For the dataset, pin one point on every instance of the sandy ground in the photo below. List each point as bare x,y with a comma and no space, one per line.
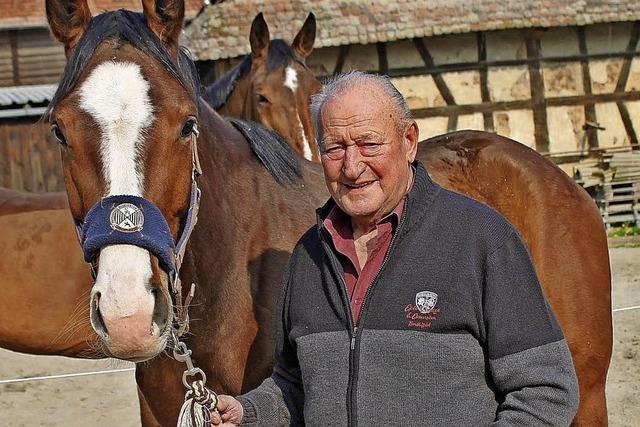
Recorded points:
110,399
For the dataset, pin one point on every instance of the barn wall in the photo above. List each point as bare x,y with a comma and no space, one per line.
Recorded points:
562,78
29,158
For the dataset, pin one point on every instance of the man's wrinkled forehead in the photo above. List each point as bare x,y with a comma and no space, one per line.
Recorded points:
356,108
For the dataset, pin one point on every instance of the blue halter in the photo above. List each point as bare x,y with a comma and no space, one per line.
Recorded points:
128,220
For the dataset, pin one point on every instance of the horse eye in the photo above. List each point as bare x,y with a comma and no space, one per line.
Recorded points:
57,133
262,99
188,128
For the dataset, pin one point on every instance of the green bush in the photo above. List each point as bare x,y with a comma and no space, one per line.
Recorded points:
625,229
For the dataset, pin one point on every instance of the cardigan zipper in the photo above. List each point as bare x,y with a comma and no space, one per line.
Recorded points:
351,412
355,341
354,347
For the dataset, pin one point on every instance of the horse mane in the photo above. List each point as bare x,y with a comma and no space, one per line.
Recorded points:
273,152
280,55
216,93
124,26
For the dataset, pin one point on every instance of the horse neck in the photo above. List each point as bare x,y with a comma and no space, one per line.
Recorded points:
230,171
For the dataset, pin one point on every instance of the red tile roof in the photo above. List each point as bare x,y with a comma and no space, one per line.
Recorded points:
222,30
30,13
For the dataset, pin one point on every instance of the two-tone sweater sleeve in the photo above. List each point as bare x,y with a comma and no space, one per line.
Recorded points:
529,359
279,400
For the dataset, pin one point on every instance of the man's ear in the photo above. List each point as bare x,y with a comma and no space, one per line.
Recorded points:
411,136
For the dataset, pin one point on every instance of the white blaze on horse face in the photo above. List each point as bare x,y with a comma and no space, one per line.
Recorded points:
291,81
116,95
291,78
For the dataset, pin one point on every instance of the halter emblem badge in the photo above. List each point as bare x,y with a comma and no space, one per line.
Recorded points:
127,218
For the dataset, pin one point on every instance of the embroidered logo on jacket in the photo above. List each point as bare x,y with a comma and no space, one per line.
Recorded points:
425,301
423,312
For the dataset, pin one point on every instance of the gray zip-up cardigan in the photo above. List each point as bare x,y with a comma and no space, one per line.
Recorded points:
454,330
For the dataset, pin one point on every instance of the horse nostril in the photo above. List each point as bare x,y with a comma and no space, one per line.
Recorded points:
96,317
160,310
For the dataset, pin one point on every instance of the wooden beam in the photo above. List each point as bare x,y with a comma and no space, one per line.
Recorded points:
476,66
628,124
487,117
623,78
536,82
13,41
452,123
437,77
342,55
524,104
383,63
589,109
626,65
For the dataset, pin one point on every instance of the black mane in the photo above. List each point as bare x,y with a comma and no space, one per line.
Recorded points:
124,26
280,55
216,93
272,151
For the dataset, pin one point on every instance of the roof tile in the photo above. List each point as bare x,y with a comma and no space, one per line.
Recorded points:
380,20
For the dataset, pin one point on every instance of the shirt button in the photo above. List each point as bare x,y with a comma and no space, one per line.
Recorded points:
357,301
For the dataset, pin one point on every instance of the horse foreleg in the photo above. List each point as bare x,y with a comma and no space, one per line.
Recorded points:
160,391
146,416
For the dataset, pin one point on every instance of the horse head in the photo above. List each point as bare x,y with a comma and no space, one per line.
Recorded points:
273,86
125,115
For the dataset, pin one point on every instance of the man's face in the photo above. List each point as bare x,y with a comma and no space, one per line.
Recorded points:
365,155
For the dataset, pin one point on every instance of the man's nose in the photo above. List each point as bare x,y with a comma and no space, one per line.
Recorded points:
352,166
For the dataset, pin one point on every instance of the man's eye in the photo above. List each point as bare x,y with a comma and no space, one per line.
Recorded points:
369,148
334,152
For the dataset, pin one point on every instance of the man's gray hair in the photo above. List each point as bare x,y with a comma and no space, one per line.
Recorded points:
340,82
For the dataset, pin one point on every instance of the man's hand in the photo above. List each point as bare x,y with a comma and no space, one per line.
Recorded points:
230,410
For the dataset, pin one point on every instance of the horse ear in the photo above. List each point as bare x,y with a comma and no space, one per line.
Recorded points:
303,43
165,17
259,37
68,20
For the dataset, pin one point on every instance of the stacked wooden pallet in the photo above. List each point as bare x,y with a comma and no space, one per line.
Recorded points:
614,181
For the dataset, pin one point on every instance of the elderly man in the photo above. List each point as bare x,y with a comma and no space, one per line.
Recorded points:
406,304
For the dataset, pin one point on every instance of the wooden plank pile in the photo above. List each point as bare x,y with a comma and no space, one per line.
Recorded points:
613,179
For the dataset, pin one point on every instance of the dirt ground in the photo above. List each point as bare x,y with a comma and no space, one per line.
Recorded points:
110,399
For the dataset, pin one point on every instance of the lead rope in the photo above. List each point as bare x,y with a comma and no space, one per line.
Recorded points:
199,401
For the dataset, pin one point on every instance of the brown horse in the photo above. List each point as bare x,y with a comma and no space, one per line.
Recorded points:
124,89
272,86
37,234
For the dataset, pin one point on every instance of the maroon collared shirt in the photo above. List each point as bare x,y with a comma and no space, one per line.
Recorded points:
359,278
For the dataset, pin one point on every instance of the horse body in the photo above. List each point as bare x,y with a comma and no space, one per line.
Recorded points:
36,233
563,230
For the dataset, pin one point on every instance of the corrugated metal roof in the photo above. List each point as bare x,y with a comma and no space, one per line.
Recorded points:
22,95
222,30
